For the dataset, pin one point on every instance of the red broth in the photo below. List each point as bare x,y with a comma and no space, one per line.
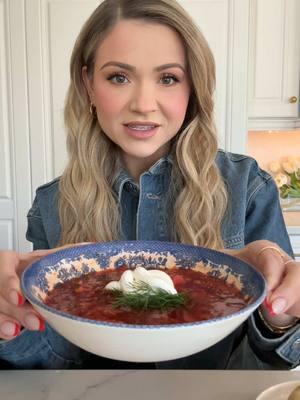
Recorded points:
208,297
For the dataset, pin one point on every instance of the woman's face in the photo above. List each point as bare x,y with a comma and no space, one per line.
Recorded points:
141,90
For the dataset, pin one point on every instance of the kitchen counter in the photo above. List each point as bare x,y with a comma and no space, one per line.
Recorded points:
142,384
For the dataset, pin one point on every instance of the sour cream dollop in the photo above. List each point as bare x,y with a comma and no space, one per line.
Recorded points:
156,279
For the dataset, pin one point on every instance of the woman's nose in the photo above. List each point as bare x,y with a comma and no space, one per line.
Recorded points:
143,99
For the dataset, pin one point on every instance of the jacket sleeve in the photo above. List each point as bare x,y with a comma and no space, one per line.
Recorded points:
264,220
35,228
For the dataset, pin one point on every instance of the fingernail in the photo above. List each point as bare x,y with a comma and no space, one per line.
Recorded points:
279,305
42,326
10,329
21,299
16,298
32,322
271,312
17,330
267,304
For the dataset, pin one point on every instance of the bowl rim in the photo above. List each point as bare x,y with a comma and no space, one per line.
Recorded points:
249,308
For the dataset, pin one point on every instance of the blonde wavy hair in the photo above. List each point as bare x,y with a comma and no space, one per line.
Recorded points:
88,206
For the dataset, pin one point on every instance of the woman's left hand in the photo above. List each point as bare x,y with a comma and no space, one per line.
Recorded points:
282,274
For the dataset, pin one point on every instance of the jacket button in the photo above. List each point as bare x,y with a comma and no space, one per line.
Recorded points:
152,196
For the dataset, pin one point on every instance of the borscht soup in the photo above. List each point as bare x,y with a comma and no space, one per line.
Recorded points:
143,301
172,296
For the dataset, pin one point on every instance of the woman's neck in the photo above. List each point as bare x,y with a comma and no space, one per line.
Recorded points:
136,166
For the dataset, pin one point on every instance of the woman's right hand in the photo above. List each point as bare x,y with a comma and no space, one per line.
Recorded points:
15,311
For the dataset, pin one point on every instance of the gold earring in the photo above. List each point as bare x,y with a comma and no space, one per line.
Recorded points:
92,109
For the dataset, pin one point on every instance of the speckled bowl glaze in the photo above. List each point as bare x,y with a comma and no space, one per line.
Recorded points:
140,343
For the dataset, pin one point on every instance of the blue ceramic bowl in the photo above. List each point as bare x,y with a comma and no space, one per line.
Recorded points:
140,343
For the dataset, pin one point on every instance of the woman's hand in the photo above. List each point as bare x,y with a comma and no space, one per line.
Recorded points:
282,274
15,311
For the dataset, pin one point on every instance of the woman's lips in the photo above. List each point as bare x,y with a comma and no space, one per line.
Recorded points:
140,131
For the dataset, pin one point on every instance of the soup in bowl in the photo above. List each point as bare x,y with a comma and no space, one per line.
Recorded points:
143,301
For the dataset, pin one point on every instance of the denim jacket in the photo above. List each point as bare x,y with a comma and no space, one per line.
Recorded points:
253,213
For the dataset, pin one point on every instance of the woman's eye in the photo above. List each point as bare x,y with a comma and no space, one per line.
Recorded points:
118,79
169,80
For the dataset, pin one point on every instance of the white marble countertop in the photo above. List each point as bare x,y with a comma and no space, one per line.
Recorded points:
142,384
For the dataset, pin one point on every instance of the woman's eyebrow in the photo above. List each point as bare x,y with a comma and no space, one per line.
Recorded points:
132,68
118,64
170,65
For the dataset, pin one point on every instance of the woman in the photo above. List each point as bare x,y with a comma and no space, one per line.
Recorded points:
143,164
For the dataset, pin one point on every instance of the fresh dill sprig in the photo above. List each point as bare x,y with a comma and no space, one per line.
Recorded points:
146,298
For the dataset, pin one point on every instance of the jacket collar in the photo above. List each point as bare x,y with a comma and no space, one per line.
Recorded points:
156,169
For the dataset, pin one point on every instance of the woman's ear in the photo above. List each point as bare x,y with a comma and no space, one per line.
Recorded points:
87,83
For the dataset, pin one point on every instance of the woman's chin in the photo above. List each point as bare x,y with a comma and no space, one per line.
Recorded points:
143,153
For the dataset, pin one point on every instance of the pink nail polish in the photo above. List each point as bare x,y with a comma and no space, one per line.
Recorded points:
268,306
279,305
266,303
42,326
271,312
17,330
21,300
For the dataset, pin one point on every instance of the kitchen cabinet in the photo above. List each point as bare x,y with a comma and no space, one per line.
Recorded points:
274,64
32,90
